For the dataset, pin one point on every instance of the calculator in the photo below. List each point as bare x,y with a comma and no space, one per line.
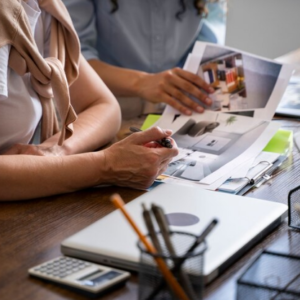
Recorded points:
88,278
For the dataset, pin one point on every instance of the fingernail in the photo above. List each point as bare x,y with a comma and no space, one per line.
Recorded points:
208,101
187,112
199,109
168,131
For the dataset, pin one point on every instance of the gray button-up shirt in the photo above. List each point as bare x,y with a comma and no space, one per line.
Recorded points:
143,34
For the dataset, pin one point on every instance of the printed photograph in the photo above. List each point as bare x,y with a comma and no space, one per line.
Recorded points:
241,82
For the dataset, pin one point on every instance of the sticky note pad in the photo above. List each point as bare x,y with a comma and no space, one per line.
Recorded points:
281,142
150,120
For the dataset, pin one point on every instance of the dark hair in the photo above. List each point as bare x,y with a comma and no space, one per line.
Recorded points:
200,6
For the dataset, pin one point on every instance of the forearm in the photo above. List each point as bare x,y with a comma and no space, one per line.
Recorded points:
133,162
29,176
95,127
122,82
99,115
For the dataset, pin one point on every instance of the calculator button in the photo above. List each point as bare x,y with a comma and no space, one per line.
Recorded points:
69,272
37,269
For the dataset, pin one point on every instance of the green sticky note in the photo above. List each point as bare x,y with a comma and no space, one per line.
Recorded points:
150,120
281,142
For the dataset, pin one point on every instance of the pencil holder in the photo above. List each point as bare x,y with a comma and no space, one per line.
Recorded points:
272,276
151,282
294,207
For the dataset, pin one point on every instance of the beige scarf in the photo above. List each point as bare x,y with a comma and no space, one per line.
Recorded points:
50,77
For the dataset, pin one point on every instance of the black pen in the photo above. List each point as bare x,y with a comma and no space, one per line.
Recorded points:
150,226
165,231
165,142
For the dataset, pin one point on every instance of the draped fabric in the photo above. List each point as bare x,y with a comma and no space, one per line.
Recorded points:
51,77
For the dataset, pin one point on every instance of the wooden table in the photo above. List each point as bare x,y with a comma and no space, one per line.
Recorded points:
31,233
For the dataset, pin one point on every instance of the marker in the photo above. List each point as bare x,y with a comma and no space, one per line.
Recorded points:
165,142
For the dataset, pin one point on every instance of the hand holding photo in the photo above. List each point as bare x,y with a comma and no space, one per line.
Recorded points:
244,83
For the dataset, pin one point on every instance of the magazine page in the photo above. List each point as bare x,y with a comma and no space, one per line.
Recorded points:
244,83
212,145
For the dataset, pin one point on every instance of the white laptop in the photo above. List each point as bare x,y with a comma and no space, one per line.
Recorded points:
243,222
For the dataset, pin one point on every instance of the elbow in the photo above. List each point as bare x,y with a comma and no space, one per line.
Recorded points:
117,116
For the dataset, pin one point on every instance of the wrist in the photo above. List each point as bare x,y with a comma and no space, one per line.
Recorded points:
102,168
139,84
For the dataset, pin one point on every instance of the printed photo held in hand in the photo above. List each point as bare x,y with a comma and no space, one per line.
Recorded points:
242,82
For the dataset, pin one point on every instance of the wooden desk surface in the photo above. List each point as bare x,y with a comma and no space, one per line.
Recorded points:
31,233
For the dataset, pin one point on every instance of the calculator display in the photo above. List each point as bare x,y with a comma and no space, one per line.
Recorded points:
97,279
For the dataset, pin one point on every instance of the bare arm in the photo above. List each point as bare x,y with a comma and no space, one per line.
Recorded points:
169,86
98,113
127,163
98,118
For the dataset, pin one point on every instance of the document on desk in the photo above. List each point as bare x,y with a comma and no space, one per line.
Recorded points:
214,144
225,140
260,166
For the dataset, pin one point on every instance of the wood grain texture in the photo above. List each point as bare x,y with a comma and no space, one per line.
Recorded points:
31,233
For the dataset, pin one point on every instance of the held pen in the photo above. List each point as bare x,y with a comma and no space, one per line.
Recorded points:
165,142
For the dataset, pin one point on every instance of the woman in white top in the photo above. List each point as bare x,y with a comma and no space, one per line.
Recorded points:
36,170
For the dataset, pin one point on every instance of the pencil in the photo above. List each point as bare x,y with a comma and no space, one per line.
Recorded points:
170,279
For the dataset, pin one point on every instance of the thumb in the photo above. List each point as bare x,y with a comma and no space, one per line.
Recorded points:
152,134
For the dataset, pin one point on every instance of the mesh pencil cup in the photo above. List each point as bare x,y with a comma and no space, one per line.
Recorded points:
189,276
294,207
272,276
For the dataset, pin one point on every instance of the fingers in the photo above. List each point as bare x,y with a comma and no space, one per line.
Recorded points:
179,85
181,101
150,135
194,79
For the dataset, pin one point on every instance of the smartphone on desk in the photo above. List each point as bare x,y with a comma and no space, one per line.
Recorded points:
82,276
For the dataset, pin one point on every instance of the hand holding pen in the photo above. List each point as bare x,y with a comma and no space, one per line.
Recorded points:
136,160
164,142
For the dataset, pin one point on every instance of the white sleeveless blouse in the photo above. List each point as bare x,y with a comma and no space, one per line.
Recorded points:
20,107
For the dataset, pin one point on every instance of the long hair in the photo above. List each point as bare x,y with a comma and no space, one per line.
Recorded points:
200,7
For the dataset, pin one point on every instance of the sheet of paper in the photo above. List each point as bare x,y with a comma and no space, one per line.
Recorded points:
268,157
218,148
244,83
233,185
261,164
